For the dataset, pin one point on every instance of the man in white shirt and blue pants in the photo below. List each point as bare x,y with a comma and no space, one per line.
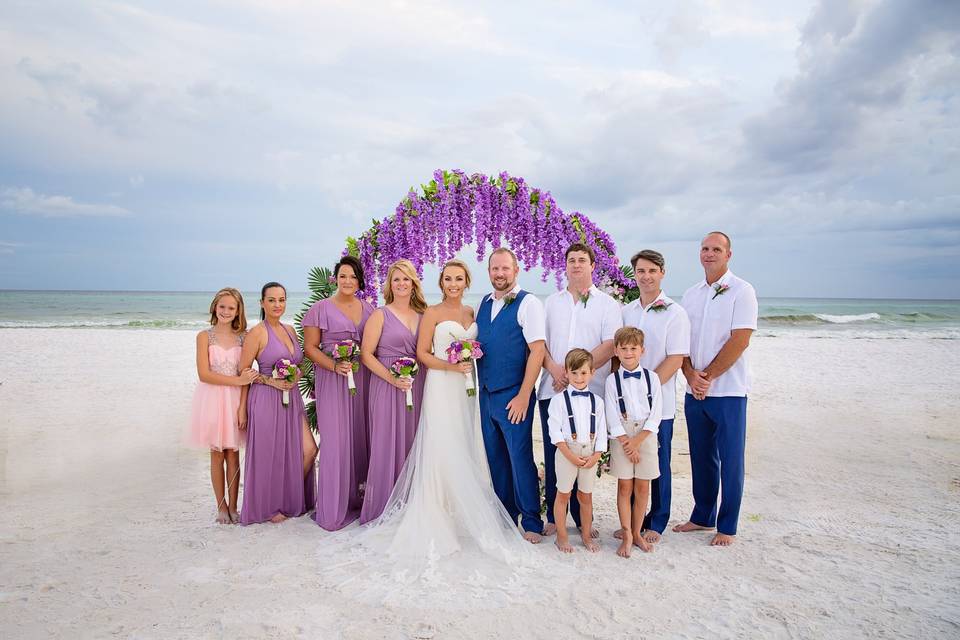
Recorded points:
723,315
579,316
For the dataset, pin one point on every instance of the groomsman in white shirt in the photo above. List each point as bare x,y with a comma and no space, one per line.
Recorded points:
579,316
666,331
723,315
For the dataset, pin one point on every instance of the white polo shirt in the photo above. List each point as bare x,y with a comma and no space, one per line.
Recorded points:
530,315
665,333
712,317
558,424
635,401
571,325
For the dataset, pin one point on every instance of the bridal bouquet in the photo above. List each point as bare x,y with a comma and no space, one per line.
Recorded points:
284,370
405,368
350,351
465,351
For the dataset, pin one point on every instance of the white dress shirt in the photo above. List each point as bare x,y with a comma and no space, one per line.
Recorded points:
635,400
559,424
665,333
571,325
712,318
530,314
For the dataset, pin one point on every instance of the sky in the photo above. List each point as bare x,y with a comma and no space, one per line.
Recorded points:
193,145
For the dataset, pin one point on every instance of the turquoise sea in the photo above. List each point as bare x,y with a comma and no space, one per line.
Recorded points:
187,310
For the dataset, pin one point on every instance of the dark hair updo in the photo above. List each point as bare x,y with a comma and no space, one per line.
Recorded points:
263,294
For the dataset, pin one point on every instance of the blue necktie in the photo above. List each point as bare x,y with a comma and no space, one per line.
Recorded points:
585,394
633,374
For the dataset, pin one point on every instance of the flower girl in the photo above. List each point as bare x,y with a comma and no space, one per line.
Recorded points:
214,421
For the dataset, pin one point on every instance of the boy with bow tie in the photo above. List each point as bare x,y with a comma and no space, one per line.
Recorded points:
634,401
577,428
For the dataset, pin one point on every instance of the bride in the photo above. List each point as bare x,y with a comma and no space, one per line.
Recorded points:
443,527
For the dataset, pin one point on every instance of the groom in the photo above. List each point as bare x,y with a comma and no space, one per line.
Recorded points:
512,332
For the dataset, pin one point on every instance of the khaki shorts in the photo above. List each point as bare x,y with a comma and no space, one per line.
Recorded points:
647,469
567,472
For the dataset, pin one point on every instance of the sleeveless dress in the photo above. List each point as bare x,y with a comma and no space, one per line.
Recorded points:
341,421
213,418
392,425
273,467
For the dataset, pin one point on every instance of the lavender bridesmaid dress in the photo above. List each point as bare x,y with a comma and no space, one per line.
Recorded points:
273,468
341,421
392,426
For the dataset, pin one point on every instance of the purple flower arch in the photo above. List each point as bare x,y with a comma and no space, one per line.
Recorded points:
455,209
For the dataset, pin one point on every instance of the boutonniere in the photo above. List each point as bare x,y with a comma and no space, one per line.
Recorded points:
719,290
660,305
584,297
509,299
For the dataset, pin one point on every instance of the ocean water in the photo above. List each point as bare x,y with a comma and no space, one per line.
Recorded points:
147,310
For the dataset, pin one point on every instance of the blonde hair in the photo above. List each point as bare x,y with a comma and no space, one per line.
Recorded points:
628,336
453,263
576,358
239,324
417,302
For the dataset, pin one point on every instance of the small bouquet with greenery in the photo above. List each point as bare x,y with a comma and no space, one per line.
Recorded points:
348,351
287,371
465,351
405,368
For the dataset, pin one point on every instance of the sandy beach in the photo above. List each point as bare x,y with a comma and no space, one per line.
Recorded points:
850,524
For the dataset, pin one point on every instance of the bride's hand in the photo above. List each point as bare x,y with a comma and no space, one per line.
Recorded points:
462,367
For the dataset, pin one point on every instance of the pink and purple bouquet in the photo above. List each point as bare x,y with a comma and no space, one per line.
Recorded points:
465,351
405,368
284,370
350,351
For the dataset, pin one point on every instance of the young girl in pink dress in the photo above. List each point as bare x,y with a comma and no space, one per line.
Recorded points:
214,420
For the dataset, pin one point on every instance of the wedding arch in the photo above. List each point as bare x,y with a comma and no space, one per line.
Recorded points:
454,210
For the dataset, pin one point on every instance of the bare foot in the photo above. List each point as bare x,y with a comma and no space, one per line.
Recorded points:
645,546
564,545
689,526
223,516
279,517
594,533
234,517
651,536
618,534
722,540
549,529
532,537
591,546
626,545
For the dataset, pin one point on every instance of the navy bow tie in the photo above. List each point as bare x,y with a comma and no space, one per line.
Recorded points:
633,374
585,394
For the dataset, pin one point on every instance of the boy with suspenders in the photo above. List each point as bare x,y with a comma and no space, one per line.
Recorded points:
575,419
634,401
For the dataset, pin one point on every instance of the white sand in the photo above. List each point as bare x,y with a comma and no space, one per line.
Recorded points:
850,524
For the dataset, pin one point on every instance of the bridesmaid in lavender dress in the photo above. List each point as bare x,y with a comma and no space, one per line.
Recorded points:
280,447
391,333
341,417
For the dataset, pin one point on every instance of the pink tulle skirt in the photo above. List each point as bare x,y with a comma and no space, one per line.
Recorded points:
213,420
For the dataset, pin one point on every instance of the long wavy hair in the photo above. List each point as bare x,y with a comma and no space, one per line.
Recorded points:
417,300
239,324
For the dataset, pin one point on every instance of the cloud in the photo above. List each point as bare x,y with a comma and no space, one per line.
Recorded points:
23,200
857,62
9,248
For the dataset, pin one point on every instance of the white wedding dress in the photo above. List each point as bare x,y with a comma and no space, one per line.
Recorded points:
444,533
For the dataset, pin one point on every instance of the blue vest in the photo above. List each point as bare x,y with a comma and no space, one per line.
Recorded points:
505,350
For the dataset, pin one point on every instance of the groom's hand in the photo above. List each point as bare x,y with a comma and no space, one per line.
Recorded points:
517,409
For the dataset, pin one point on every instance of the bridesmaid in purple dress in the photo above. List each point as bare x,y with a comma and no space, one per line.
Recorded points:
280,447
341,417
391,333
